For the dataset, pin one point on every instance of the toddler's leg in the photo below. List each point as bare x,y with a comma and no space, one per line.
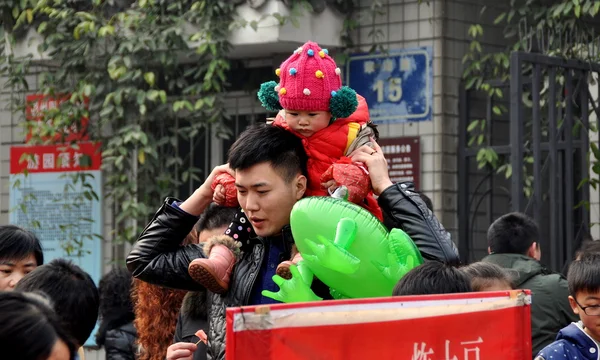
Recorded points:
214,271
283,269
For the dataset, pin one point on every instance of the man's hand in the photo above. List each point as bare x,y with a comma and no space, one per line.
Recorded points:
376,164
181,351
203,196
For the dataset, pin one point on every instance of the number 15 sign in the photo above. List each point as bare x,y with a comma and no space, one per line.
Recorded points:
398,85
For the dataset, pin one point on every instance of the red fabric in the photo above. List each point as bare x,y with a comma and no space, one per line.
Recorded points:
326,147
228,183
491,332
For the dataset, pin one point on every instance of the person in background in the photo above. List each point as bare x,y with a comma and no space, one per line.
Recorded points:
31,330
488,277
20,253
73,294
156,309
513,241
193,317
579,340
432,277
588,245
117,333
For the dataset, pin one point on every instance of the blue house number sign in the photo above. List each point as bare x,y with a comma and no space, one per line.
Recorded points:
398,86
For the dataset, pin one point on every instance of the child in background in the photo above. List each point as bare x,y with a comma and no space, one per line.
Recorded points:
332,121
488,277
580,340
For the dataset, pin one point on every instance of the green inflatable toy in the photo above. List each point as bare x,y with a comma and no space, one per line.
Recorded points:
348,249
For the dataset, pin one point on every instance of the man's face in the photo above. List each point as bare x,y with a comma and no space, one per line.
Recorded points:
12,271
590,322
267,199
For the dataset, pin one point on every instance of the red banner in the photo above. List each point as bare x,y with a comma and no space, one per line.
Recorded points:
440,327
34,111
84,156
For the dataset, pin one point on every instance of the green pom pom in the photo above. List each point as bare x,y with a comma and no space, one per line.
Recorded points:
343,103
268,96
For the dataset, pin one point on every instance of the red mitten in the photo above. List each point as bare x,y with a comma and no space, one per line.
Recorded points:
350,175
228,183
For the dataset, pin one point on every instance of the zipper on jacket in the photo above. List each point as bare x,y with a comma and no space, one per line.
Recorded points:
255,272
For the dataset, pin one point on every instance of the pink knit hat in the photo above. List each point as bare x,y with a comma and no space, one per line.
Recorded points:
309,81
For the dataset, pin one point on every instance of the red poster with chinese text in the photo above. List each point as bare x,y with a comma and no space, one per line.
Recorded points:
34,111
439,327
85,156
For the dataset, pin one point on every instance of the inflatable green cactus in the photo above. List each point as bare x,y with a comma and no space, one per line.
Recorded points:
348,249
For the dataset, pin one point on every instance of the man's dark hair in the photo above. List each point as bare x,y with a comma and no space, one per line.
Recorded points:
71,290
263,143
482,274
432,277
590,246
426,200
214,217
30,328
17,243
584,274
512,233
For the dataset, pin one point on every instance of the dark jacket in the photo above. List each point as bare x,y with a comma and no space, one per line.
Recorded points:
120,343
158,258
550,309
192,317
572,343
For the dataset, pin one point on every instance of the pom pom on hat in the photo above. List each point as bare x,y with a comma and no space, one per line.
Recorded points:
343,103
268,96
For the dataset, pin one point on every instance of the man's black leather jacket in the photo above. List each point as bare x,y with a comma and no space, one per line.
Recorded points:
158,258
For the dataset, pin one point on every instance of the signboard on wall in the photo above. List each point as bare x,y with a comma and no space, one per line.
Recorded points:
398,86
44,193
403,155
35,107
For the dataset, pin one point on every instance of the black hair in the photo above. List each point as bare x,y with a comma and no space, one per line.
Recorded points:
215,216
584,274
512,233
262,143
426,200
30,328
432,277
116,307
17,243
71,290
483,273
589,246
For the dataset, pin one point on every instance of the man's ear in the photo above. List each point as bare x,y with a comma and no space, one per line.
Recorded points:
574,305
489,250
534,251
300,186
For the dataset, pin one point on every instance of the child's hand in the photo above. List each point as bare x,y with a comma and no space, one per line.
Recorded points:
330,185
219,195
181,351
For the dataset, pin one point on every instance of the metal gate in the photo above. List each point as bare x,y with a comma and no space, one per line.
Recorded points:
547,121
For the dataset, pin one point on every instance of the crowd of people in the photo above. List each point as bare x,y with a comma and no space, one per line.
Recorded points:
228,241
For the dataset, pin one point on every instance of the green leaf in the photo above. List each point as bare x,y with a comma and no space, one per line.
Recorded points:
149,77
497,110
163,96
578,10
596,8
508,171
472,125
42,27
499,18
141,156
142,109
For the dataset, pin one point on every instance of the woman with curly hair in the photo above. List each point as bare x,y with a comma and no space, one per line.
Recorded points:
156,311
116,333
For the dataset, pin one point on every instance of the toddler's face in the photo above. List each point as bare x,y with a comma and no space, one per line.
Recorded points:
307,123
